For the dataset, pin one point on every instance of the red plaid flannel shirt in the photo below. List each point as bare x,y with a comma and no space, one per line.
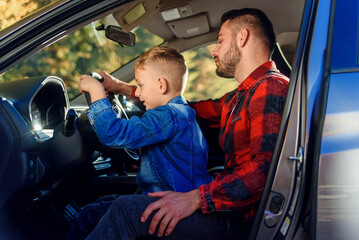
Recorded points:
249,118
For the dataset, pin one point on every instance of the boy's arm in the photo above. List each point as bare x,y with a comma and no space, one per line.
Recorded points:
153,127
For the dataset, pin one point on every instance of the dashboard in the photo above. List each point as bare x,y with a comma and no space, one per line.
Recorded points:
48,108
42,101
33,149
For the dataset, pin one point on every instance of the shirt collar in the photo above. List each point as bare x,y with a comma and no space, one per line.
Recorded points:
179,100
256,74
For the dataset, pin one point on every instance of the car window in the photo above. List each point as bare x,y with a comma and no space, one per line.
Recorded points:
12,11
203,83
81,52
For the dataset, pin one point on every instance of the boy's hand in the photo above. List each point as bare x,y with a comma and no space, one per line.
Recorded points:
172,207
92,86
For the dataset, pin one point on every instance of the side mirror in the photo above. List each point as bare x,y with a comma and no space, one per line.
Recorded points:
117,34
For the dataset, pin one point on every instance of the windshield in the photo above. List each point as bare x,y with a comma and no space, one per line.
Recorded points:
81,52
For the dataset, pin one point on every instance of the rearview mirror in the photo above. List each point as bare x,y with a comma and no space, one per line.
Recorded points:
117,34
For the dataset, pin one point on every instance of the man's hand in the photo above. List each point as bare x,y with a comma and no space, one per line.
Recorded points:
115,85
172,207
110,83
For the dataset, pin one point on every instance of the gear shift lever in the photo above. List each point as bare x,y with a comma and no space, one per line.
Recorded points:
69,128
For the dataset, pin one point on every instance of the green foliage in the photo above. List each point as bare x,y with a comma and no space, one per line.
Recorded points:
12,11
203,83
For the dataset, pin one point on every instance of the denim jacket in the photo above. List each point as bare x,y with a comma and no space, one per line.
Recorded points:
174,151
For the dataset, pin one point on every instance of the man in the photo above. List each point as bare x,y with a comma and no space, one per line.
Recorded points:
249,119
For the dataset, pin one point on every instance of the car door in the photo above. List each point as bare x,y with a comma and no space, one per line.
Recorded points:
284,211
336,193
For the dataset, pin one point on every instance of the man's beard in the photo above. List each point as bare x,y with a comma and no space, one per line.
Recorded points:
227,67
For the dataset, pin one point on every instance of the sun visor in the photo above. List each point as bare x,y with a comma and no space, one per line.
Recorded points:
135,12
190,26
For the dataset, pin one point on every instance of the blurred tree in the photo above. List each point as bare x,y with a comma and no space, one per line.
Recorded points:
203,83
12,11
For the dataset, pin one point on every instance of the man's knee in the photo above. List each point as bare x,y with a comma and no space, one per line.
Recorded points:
132,202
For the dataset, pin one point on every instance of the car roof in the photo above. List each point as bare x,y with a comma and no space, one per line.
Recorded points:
204,17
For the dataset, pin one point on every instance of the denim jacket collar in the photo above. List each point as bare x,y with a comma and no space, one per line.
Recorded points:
179,100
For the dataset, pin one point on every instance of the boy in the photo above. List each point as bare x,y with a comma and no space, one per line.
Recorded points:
174,150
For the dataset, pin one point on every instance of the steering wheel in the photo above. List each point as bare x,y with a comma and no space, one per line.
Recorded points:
89,134
116,105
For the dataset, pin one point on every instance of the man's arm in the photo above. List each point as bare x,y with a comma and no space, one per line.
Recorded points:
244,178
210,111
115,85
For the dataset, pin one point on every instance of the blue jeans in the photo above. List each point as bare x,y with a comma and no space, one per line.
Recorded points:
120,219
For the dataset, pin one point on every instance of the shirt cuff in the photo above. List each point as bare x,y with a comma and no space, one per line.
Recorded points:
97,108
207,204
132,97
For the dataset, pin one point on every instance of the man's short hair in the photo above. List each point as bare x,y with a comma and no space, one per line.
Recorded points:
253,19
167,61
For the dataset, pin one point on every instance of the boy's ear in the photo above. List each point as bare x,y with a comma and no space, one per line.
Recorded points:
163,85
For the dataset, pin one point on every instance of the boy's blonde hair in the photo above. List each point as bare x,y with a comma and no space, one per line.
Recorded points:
168,62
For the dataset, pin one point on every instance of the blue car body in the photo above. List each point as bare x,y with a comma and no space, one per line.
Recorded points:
312,190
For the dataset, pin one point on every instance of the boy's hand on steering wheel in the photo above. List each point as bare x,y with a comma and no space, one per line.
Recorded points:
92,88
89,84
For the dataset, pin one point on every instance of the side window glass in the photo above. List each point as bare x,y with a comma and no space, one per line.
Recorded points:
82,51
203,83
345,37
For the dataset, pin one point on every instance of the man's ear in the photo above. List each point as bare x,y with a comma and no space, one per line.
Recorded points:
242,37
163,85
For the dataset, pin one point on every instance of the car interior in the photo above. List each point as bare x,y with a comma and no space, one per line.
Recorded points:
52,163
